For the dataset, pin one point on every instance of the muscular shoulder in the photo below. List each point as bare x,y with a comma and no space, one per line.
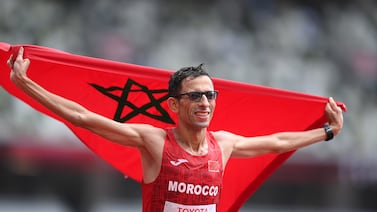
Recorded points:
225,136
153,141
225,139
151,133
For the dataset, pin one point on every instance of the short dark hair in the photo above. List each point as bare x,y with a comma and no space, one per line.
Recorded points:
175,82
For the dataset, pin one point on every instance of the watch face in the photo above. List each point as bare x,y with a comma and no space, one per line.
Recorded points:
329,133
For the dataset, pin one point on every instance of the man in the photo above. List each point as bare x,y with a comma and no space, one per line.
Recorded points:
182,166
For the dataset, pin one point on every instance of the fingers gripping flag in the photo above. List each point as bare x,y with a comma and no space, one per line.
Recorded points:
136,94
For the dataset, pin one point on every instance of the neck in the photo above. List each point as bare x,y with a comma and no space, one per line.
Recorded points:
191,140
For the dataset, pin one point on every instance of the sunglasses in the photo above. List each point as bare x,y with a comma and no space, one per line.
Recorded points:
196,96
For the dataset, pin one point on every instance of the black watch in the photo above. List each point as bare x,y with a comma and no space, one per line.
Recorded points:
329,132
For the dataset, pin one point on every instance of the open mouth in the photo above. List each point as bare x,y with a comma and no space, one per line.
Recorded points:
202,114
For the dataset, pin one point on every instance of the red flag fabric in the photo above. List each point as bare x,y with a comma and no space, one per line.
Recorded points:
136,94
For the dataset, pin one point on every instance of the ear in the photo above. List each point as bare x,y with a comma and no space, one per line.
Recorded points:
173,104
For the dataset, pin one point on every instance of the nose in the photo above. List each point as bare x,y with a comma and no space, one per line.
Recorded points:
204,100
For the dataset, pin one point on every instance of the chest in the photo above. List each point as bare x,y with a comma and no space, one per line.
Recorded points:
182,166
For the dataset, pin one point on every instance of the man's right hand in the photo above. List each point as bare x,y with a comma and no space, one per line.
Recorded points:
18,66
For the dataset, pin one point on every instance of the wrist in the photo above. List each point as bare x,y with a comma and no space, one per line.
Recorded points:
20,80
329,132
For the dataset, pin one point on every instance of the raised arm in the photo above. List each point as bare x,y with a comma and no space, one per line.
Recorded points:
125,134
239,146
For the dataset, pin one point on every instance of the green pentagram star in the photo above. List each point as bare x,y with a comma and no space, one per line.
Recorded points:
123,102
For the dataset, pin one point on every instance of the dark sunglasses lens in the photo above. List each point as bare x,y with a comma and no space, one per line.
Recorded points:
195,96
211,95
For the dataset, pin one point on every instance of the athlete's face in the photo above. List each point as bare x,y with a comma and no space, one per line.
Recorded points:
196,112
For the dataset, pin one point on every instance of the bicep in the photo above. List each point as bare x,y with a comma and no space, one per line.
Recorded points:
254,146
238,146
121,133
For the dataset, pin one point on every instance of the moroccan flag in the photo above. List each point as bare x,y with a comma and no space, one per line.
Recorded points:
136,94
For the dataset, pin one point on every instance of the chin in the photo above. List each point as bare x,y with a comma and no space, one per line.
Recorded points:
202,124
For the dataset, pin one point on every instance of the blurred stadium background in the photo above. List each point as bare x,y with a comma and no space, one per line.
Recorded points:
326,48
